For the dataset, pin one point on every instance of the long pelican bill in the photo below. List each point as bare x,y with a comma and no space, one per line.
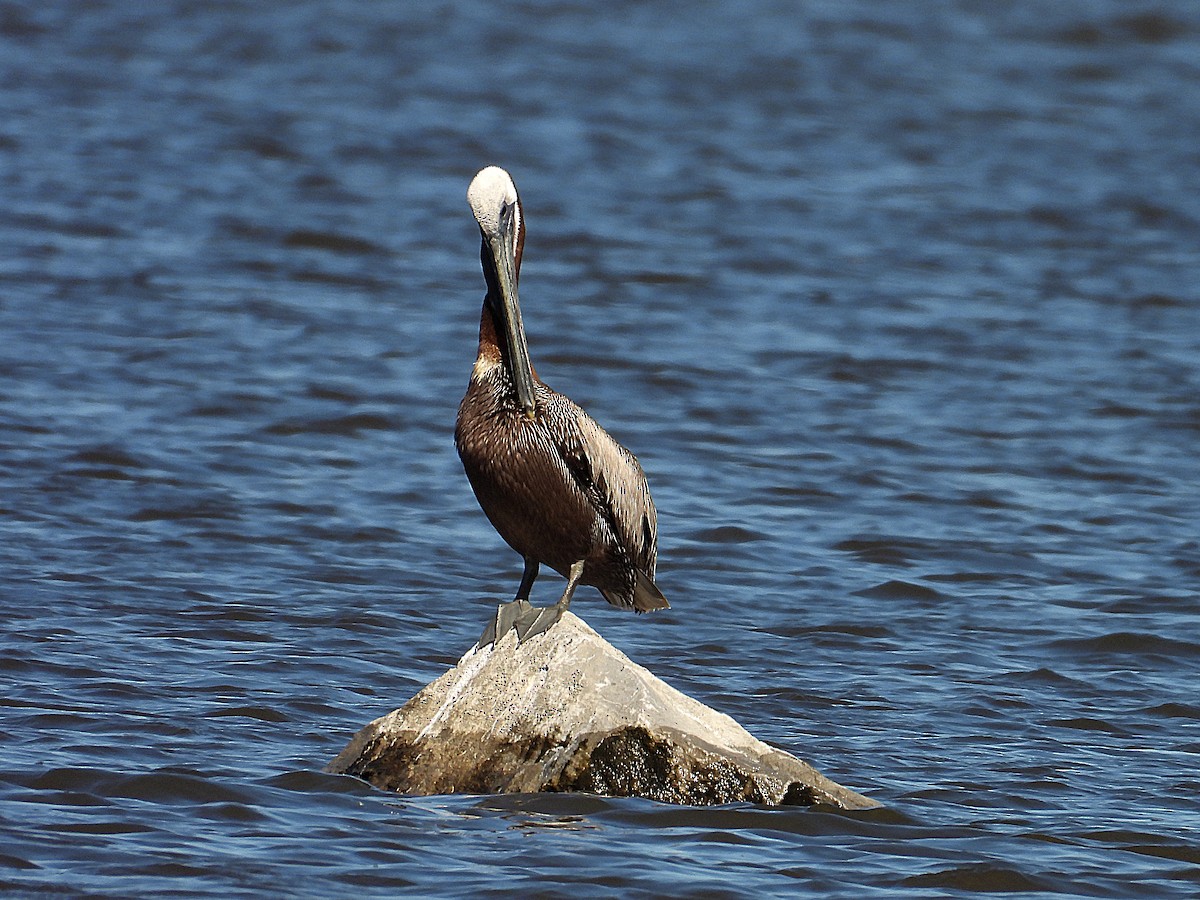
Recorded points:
500,245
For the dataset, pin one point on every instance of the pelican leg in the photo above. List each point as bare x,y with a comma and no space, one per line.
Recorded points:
527,577
547,616
508,614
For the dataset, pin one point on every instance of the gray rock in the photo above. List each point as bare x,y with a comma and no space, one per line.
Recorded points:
567,711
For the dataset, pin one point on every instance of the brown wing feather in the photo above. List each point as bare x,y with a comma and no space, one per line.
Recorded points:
619,491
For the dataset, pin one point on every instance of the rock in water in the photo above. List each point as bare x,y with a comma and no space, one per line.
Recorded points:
567,711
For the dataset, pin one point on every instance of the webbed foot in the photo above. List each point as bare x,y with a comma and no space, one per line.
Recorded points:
507,615
527,619
541,621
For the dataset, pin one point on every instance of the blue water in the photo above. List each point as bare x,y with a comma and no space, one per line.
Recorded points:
896,303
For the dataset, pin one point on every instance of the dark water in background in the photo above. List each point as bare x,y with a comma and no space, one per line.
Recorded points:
896,302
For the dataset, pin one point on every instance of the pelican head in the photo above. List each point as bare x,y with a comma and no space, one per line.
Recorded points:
490,193
497,209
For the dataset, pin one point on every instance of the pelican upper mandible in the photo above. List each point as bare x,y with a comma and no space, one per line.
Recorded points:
557,488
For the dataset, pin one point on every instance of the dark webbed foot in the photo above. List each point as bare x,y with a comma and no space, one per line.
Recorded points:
548,616
542,619
527,619
507,615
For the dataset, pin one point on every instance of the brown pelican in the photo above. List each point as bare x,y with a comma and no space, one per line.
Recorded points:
557,488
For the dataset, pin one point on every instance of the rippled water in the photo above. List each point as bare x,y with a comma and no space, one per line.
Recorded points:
895,302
